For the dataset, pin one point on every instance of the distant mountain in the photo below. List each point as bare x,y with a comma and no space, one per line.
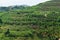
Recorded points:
21,7
4,8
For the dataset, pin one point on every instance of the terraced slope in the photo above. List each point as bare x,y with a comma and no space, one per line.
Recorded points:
40,22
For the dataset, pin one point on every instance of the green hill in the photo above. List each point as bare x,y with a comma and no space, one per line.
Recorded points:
55,0
39,22
49,6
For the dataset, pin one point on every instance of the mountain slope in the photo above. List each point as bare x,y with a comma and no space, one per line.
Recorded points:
49,6
40,22
55,0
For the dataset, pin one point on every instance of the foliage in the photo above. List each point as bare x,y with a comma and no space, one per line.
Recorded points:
40,22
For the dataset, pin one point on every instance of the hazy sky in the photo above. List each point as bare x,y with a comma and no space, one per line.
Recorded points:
20,2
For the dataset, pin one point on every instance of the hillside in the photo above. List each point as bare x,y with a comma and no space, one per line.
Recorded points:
55,0
39,22
49,6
